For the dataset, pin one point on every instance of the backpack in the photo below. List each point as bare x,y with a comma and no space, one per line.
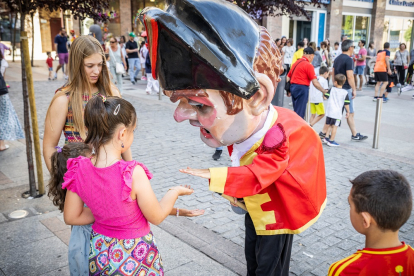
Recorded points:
3,87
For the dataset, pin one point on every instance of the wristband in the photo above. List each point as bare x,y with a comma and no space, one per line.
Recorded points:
178,212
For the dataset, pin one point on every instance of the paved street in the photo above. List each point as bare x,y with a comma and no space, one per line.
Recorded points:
216,238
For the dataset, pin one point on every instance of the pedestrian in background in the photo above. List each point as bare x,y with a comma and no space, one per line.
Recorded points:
345,65
2,48
61,47
371,53
401,60
317,108
287,54
283,41
116,62
88,75
153,86
298,54
49,62
10,128
143,52
317,59
382,69
122,41
300,76
305,43
360,64
132,50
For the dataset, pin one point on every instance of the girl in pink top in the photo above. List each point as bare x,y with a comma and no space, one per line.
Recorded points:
118,194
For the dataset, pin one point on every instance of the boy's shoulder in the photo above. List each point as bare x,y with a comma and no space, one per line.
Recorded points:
376,262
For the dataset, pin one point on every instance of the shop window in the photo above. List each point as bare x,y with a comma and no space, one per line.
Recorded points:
397,31
356,28
348,26
9,26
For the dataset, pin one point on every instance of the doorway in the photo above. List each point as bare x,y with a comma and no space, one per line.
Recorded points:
55,26
303,29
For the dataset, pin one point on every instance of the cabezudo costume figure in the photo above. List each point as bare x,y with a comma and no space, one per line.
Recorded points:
224,69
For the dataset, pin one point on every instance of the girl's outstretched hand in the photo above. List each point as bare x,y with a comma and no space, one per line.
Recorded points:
203,173
191,213
183,190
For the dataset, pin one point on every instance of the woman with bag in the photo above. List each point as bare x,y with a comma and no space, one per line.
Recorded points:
401,61
117,64
10,128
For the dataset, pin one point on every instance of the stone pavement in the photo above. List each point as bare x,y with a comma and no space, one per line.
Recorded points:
164,146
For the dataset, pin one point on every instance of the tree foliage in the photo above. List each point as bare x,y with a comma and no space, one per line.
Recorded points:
80,9
259,8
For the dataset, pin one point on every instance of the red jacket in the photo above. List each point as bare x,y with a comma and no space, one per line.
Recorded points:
281,178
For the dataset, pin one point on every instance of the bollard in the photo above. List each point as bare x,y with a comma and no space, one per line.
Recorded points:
280,92
160,91
377,123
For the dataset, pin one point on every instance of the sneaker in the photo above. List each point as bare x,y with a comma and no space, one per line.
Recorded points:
413,97
359,137
133,82
217,154
66,77
144,78
55,77
322,135
325,140
50,79
384,99
375,99
332,143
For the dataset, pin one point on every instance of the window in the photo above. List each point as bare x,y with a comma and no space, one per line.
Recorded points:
356,27
397,30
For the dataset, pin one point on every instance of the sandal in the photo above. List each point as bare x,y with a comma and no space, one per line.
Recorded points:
5,148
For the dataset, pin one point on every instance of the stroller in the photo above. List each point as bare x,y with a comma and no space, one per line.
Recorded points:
371,75
409,79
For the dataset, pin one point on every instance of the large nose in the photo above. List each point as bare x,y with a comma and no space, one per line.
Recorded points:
184,111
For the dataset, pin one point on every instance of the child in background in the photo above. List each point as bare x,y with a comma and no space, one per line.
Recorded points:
380,203
152,84
316,97
337,100
143,52
49,62
336,52
118,193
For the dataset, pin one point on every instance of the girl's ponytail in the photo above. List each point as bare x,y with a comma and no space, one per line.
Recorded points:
59,168
102,117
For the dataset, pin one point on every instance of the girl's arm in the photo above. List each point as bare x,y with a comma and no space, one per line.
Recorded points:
74,213
154,211
186,213
54,123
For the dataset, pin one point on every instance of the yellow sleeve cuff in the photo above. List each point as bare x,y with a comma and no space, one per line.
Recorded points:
218,178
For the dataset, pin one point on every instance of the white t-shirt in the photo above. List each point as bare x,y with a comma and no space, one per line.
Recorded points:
316,95
336,101
289,51
143,53
335,54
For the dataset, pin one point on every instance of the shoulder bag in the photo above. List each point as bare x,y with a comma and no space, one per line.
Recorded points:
119,67
287,85
3,86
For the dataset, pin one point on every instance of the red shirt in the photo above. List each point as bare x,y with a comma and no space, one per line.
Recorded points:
398,261
49,62
304,74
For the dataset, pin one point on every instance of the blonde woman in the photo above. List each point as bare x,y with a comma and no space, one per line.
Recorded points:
88,76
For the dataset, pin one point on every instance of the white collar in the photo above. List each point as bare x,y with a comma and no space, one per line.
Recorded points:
240,149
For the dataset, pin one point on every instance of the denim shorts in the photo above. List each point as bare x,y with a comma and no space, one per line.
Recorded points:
50,68
359,70
351,101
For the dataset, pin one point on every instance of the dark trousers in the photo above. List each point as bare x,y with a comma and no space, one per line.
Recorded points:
401,74
300,95
266,255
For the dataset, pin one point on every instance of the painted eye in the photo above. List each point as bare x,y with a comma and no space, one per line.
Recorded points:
195,104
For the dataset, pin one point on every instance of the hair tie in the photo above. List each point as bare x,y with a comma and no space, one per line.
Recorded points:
58,149
103,97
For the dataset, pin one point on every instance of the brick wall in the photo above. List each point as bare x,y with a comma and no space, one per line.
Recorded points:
126,20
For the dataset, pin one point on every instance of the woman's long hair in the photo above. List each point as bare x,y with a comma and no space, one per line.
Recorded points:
78,84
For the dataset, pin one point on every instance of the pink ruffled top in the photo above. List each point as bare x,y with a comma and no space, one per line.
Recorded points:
106,191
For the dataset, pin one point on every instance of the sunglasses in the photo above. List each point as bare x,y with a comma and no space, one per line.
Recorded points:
112,41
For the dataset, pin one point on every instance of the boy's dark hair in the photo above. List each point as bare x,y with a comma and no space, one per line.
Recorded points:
385,195
336,43
386,45
363,42
340,79
59,168
47,53
103,116
323,70
301,44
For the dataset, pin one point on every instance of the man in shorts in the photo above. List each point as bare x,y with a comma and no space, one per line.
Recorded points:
381,70
360,64
61,46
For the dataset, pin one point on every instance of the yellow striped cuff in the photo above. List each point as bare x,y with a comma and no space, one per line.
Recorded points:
218,178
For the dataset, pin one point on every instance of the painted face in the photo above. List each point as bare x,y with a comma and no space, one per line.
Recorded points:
93,67
206,110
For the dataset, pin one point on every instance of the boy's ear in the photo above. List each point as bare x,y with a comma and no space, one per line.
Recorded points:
367,219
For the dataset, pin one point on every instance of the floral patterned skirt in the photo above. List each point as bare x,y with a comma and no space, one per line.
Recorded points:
10,128
110,256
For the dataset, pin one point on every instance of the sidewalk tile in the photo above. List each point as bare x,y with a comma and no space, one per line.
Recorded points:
63,271
64,235
54,224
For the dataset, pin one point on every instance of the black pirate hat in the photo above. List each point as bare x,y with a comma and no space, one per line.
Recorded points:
208,44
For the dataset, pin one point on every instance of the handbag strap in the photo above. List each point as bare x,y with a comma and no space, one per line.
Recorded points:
112,56
296,67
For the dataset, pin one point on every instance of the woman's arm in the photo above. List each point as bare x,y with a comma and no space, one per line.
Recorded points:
54,124
154,211
74,212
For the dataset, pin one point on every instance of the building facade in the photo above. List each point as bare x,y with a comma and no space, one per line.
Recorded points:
375,21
